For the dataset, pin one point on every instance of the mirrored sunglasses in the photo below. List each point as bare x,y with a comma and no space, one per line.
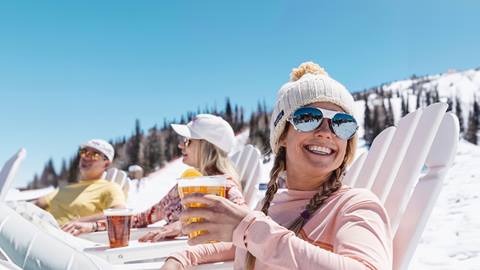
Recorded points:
84,153
308,119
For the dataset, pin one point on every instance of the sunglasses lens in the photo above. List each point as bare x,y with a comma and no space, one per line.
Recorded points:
91,155
344,125
307,119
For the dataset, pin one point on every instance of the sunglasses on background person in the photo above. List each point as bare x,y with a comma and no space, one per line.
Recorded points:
186,141
308,119
84,153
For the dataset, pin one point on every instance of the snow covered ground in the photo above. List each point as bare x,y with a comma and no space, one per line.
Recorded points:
451,239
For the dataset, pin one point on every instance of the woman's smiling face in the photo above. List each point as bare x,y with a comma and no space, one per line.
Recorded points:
313,155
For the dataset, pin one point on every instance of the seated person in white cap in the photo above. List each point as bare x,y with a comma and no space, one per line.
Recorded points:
207,141
135,173
91,195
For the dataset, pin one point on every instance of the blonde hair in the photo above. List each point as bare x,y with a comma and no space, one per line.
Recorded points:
215,161
328,187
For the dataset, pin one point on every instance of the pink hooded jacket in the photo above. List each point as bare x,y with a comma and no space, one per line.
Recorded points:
350,231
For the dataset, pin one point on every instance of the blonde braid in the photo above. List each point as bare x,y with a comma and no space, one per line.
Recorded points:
278,167
329,187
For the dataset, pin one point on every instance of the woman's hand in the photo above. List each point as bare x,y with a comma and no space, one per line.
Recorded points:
221,217
171,264
76,227
168,231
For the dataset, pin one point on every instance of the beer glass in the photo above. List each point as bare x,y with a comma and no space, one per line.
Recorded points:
118,226
215,185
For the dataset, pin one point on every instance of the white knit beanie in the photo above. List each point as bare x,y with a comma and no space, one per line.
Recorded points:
309,83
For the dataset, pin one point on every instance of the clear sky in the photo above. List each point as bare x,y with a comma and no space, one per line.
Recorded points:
75,70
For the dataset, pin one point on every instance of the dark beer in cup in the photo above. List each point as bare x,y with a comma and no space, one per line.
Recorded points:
118,226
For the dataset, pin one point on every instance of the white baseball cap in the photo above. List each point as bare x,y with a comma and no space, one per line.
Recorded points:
208,127
101,146
135,168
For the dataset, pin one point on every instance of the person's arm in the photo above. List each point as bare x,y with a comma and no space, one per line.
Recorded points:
362,241
44,202
205,253
159,211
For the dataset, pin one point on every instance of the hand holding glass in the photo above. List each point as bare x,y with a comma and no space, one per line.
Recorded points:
215,185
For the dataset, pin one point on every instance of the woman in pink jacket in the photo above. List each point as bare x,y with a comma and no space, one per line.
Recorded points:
317,223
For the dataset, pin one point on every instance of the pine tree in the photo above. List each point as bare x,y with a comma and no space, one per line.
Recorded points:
135,144
73,169
49,176
450,104
63,175
367,122
404,106
390,116
419,95
471,134
153,152
229,112
35,183
459,113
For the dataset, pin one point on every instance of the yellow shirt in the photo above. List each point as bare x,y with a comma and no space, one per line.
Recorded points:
82,199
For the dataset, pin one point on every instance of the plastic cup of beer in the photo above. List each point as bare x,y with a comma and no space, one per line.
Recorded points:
118,226
215,185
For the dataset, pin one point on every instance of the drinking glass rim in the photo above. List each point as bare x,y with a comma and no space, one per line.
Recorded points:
210,180
118,212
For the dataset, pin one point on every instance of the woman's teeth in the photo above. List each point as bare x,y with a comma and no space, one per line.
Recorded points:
319,150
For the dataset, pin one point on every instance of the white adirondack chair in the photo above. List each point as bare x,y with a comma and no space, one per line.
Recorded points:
247,163
120,177
391,169
8,172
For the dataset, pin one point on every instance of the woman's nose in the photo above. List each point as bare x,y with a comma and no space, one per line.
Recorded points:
324,129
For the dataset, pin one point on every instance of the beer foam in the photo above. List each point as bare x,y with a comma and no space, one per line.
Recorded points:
207,181
118,212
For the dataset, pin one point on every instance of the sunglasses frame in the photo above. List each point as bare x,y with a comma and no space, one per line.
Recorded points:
329,114
186,141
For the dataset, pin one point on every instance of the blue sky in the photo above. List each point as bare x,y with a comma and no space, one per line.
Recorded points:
71,71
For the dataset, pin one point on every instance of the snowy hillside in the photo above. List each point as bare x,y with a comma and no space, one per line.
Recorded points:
451,87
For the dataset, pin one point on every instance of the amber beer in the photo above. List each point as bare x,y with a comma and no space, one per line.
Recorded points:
118,226
215,185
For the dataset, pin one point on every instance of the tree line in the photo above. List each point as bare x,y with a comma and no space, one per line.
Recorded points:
153,148
379,112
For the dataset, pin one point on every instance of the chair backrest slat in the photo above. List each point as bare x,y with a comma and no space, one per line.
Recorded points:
396,154
8,172
373,162
352,172
247,164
